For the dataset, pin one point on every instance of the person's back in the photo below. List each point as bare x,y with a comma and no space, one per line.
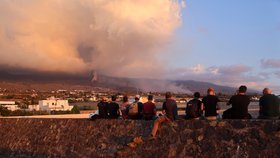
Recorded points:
113,108
269,105
125,107
240,103
102,109
210,103
149,109
193,107
170,108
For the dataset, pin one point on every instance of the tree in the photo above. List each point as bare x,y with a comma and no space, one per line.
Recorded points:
75,110
4,111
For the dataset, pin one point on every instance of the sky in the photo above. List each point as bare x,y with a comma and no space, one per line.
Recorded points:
224,42
229,43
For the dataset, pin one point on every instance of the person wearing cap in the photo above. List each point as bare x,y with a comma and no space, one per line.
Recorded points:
210,105
269,105
103,108
239,103
170,113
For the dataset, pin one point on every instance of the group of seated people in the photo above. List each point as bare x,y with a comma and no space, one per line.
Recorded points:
136,110
269,108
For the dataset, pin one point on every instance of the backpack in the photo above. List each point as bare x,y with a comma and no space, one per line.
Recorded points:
133,109
192,108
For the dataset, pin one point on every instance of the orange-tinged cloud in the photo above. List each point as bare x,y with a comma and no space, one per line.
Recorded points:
75,36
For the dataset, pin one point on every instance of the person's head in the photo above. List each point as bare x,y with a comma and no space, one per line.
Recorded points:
242,89
150,97
168,95
210,91
104,99
196,95
137,97
125,99
114,98
267,91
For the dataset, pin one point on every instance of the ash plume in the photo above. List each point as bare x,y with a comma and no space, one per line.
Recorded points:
116,37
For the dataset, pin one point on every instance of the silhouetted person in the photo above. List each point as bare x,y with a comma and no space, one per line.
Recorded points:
125,107
269,105
103,108
239,103
113,108
136,109
193,107
210,105
170,111
149,109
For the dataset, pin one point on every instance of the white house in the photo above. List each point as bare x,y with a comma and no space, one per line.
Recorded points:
33,107
53,104
10,105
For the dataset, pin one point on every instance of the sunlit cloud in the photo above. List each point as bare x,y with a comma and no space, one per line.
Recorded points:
270,63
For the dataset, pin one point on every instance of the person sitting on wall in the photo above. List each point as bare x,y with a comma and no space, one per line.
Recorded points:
125,107
269,105
103,108
113,108
240,103
193,107
170,111
149,109
210,105
135,110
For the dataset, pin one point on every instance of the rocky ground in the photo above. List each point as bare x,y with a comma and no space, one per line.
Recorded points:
118,138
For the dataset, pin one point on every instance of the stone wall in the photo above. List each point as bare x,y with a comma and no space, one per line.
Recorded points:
118,138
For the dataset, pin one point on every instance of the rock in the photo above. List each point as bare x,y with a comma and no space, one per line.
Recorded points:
189,141
221,124
132,145
102,146
121,154
200,138
138,140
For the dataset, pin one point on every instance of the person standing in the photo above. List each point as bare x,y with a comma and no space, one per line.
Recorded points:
269,105
210,105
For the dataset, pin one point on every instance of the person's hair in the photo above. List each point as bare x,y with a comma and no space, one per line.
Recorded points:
114,98
196,95
210,90
168,95
242,89
125,99
150,97
267,91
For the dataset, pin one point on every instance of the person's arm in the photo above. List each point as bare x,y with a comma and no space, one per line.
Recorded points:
155,109
164,108
261,107
175,110
230,101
